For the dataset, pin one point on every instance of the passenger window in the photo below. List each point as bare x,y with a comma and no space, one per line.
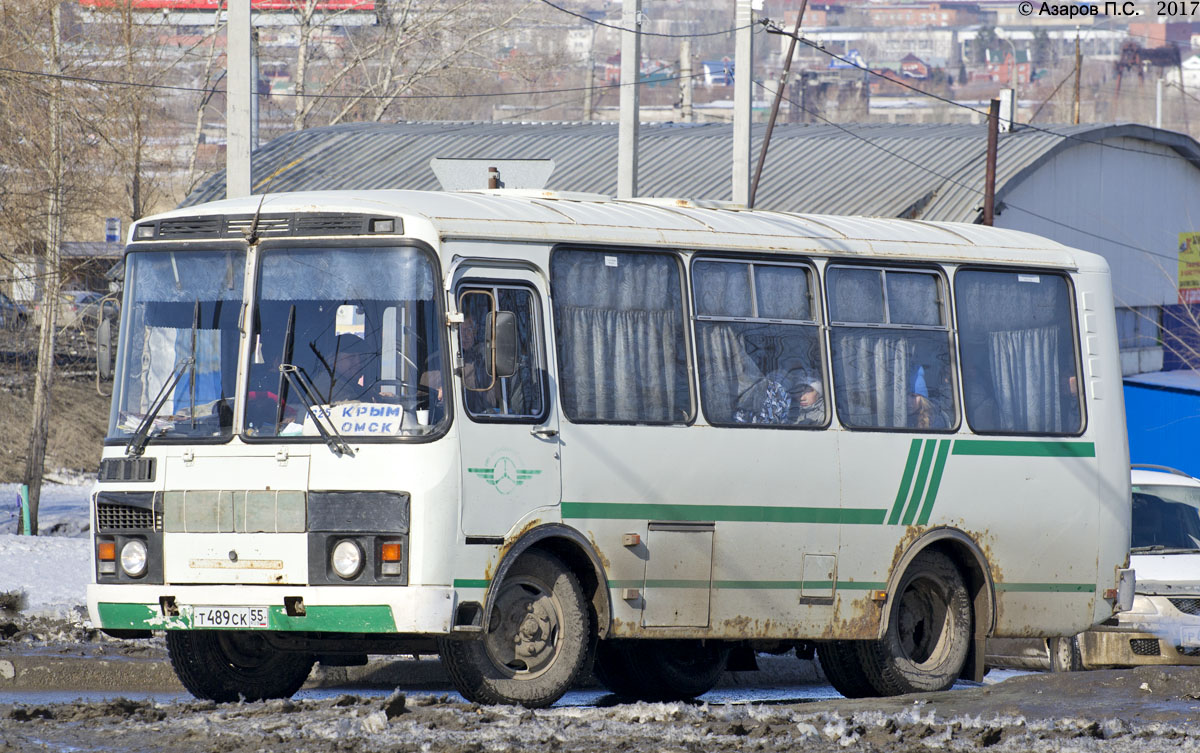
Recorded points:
502,370
1019,362
890,349
619,330
758,344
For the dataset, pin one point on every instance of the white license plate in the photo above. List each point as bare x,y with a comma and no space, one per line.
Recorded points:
1189,636
229,617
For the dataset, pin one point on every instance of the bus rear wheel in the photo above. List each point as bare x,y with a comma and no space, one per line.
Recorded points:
666,670
539,638
841,661
928,633
229,665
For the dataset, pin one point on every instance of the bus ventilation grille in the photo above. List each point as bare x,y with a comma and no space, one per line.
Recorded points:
1144,646
127,469
110,517
272,226
1187,606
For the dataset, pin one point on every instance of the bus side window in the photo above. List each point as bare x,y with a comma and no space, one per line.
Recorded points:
1020,369
521,394
890,349
758,344
620,334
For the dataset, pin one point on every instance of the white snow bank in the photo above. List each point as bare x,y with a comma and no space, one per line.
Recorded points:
52,571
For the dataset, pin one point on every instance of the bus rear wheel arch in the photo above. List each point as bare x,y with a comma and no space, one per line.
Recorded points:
539,637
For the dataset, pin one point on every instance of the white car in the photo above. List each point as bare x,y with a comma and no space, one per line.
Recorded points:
1163,626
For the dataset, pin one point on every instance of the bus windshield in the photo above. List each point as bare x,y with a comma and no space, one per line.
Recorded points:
177,366
349,337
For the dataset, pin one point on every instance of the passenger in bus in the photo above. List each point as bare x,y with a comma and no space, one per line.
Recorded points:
923,413
769,402
809,408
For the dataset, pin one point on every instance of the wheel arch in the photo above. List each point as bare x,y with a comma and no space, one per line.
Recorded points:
972,562
576,552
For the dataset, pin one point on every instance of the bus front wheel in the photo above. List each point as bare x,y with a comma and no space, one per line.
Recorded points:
228,665
928,633
538,641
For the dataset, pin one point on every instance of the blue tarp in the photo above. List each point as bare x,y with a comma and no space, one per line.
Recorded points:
1162,413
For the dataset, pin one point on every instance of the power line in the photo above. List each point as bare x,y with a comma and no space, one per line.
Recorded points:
212,90
590,20
773,28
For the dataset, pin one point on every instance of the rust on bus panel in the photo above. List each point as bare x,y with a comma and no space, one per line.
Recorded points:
489,571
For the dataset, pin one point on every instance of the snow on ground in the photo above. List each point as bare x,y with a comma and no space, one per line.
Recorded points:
52,570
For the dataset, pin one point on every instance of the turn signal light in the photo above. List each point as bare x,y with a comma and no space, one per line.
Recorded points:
106,551
391,554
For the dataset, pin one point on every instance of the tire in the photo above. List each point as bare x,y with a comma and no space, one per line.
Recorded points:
660,670
539,640
231,665
841,661
929,630
1065,655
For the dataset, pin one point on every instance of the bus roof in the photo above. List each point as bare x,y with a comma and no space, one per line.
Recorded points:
589,218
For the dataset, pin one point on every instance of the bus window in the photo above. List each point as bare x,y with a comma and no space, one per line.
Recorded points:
619,330
487,394
890,348
1020,372
360,328
758,344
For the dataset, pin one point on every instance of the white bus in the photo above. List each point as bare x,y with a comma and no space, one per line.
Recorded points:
538,432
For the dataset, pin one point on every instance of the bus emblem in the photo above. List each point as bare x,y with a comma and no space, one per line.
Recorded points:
502,472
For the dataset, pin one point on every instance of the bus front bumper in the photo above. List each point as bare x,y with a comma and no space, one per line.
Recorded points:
416,610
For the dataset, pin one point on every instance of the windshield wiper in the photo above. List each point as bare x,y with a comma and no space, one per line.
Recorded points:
137,443
192,368
289,339
308,394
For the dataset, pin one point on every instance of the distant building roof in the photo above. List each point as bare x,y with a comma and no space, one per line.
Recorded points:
933,172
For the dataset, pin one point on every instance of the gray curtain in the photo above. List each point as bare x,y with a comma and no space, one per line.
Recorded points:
619,326
870,373
727,372
1028,379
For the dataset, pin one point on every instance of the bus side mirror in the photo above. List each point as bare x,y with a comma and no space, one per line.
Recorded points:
502,342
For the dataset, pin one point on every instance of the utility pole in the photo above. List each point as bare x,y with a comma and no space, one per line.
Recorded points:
743,97
237,101
989,179
783,77
685,80
1078,65
1158,90
589,91
627,131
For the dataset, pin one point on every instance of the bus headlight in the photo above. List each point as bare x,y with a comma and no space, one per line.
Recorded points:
347,559
133,558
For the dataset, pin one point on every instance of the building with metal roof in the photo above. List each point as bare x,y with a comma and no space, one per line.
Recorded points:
1124,191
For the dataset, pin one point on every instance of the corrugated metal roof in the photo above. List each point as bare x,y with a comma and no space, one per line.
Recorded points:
931,171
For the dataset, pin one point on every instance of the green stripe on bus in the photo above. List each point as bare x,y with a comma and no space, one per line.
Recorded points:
914,451
353,619
750,585
1047,587
939,465
471,583
1025,449
731,513
914,501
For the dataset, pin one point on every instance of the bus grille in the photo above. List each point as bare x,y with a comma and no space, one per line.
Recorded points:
1188,650
1144,646
110,517
127,469
1187,606
268,225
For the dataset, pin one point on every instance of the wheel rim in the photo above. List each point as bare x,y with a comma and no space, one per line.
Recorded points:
244,650
925,622
523,634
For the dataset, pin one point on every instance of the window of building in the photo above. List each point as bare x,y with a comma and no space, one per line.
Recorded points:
890,349
1019,363
619,331
758,344
488,392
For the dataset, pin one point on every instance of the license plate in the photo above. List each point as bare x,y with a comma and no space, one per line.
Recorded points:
229,617
1189,636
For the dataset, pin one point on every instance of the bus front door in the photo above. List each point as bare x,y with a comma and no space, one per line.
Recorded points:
507,426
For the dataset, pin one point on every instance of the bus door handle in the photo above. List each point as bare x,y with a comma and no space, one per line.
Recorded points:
545,432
